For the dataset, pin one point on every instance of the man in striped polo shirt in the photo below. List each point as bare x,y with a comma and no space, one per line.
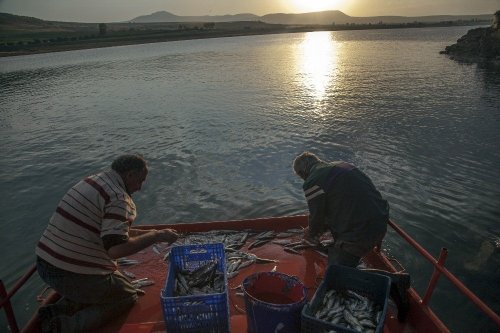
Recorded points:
343,200
77,252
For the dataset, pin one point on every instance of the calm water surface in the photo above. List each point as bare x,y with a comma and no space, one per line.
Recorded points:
220,121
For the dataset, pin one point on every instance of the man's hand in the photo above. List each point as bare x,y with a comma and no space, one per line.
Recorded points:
313,240
167,235
142,240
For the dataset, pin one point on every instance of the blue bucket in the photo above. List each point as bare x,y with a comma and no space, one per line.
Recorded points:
273,302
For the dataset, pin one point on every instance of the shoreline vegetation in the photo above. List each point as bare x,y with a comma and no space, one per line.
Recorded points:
24,35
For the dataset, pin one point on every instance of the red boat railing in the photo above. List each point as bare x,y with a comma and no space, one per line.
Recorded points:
6,296
440,269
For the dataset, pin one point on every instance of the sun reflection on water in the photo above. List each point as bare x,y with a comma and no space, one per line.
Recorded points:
317,63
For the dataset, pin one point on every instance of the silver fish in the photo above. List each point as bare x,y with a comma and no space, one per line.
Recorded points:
129,274
127,262
349,309
291,250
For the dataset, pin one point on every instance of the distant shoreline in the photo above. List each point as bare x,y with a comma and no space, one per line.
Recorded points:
169,36
134,41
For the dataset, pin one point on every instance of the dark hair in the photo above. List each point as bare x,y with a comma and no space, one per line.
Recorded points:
126,163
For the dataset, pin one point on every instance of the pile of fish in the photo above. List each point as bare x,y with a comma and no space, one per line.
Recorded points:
205,279
234,240
236,259
349,309
198,314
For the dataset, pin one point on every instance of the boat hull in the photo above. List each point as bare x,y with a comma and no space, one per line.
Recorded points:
309,266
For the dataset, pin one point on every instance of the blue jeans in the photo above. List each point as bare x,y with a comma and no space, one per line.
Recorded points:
88,301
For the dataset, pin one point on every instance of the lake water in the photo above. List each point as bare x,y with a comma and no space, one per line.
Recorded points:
220,121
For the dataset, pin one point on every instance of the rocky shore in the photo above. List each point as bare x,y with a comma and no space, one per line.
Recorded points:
478,45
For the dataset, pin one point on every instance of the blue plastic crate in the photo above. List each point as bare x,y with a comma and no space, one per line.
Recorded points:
195,313
376,287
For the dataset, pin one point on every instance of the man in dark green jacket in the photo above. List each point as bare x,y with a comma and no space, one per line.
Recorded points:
343,200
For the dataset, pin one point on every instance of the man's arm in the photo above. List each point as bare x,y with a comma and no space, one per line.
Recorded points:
316,217
137,232
139,240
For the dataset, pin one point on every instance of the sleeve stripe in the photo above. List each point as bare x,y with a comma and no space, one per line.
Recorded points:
312,189
314,194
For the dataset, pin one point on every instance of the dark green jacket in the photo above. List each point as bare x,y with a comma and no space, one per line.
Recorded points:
344,200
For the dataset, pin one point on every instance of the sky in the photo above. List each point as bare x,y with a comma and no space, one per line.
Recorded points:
124,10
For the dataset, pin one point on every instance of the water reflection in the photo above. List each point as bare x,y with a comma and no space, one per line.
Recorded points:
317,63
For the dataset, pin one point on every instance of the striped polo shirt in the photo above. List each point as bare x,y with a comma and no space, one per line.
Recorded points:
95,207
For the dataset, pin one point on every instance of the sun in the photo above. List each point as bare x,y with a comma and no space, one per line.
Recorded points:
305,6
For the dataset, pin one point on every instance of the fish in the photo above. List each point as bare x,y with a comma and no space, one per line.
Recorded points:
204,279
138,280
296,231
281,241
203,274
264,260
323,254
285,235
327,242
350,309
239,309
156,249
302,246
352,320
167,255
126,262
233,266
129,274
266,235
291,250
257,243
181,287
145,283
245,264
139,283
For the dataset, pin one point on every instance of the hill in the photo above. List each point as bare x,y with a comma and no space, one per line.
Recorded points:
314,18
164,16
337,17
13,25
